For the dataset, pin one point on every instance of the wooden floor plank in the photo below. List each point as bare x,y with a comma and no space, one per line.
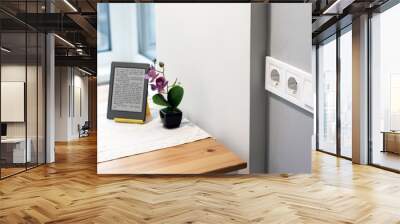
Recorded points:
70,191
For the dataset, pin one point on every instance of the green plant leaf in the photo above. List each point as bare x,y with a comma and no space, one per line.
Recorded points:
175,95
160,100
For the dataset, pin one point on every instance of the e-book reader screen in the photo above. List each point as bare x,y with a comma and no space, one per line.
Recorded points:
127,91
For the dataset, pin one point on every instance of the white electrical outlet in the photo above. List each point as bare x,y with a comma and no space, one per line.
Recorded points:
290,83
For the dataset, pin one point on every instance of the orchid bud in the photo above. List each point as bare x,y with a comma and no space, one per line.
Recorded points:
161,64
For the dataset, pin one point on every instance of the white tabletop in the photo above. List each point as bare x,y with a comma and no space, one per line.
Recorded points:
117,140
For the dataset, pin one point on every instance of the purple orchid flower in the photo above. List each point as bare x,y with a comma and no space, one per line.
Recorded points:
152,74
159,85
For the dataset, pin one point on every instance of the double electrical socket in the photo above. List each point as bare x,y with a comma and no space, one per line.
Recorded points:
290,83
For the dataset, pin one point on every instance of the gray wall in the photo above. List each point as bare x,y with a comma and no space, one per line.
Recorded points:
258,47
289,128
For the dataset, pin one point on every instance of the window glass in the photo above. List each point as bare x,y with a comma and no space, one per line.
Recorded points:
103,33
14,153
31,99
346,94
41,79
147,30
385,89
327,96
22,93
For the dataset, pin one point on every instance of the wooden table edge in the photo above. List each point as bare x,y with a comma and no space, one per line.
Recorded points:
235,167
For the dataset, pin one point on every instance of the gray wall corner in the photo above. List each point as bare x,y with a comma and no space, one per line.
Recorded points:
289,128
258,50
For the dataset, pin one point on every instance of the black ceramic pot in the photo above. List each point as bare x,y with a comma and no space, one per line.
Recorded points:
171,118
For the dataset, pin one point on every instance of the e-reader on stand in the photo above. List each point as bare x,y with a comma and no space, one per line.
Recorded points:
127,98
